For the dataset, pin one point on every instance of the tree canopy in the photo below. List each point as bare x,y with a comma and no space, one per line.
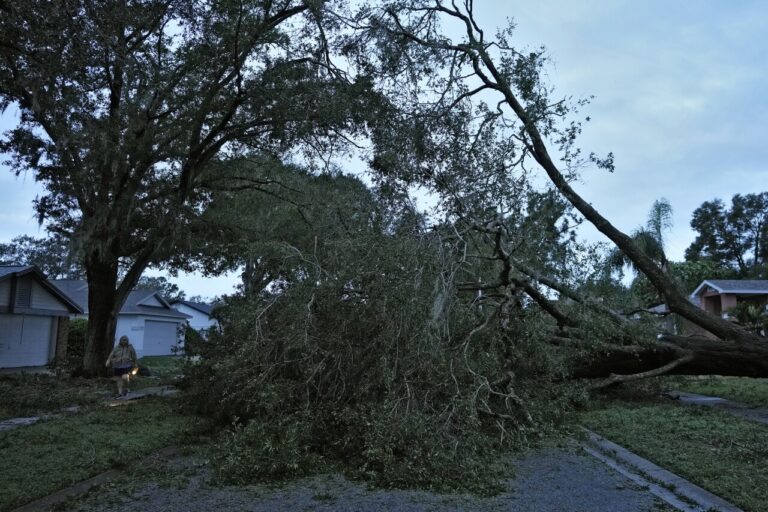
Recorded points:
736,237
128,106
55,256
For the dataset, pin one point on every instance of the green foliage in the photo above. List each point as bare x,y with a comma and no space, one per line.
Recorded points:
752,316
736,237
686,274
128,110
357,352
78,330
167,289
649,239
262,449
55,256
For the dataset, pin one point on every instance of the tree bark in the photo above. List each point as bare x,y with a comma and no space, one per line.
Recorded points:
102,315
708,357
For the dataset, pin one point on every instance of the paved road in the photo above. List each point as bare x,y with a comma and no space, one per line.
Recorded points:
548,480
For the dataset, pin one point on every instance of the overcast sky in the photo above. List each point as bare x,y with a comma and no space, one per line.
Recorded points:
680,92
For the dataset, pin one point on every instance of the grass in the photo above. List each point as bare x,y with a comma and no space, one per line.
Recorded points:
740,389
723,454
26,394
45,457
33,394
163,367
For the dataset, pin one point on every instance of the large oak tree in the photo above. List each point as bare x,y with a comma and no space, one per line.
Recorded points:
127,106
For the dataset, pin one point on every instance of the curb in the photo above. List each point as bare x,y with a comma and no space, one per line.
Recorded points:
675,490
80,488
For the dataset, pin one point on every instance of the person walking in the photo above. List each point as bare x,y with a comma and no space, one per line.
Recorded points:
123,360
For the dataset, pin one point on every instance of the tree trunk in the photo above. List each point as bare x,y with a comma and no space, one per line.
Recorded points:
707,357
103,306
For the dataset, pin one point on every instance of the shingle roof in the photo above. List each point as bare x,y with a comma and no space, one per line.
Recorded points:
6,271
739,286
78,290
199,306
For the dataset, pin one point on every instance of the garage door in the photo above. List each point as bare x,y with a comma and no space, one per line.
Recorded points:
159,338
25,340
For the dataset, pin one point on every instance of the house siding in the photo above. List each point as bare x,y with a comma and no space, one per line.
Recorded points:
42,299
5,292
199,320
133,327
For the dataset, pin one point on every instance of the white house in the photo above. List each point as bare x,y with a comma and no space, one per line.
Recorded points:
153,327
199,313
32,315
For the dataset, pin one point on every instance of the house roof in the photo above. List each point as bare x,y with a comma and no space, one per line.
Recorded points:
7,271
199,306
736,286
137,302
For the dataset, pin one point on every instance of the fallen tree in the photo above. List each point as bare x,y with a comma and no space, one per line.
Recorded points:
478,67
677,355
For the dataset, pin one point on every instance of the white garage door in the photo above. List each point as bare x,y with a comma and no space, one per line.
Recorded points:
159,337
25,340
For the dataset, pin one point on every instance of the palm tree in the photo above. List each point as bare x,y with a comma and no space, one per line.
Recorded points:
649,238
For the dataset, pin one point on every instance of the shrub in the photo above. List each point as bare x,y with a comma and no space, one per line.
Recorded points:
78,329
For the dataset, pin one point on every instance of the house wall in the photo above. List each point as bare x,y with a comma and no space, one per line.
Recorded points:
133,327
199,320
712,303
26,340
5,292
727,301
42,299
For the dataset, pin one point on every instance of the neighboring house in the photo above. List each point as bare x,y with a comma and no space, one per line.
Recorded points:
199,313
719,295
153,327
34,318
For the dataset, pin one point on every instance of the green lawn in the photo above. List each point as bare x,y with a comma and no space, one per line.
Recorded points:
741,389
34,394
727,456
30,394
165,368
40,459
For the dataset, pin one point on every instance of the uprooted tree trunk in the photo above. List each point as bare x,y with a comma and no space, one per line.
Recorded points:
676,355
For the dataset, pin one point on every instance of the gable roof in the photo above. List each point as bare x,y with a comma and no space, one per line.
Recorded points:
8,271
137,302
206,309
738,286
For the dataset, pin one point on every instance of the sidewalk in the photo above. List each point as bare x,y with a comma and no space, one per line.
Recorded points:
757,414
